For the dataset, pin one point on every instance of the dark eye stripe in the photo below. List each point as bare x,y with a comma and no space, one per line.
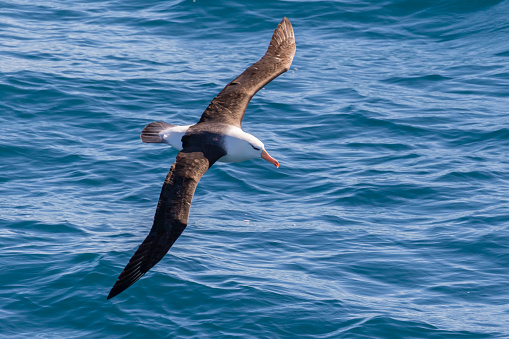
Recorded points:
256,148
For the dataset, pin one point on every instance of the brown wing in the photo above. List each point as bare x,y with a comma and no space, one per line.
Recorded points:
231,103
171,215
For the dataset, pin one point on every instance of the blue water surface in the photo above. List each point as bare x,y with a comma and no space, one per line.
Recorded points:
389,214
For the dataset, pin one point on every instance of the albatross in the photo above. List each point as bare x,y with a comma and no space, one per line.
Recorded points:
216,137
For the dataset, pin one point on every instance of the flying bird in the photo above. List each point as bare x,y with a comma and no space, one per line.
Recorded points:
216,137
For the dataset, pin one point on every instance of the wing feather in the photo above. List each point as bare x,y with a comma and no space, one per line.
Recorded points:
230,104
171,215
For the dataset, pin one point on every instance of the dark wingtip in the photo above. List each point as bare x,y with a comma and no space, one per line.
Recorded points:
138,265
124,282
286,26
112,294
151,250
283,40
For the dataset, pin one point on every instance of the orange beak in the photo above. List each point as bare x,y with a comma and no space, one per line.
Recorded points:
270,159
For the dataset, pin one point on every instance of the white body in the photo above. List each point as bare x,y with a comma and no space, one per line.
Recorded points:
239,145
173,136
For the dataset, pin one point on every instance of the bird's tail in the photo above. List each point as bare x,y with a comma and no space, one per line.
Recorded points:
151,132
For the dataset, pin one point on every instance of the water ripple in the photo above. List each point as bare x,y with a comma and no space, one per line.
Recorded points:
386,219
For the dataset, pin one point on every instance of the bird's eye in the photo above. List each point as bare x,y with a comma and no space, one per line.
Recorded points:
256,148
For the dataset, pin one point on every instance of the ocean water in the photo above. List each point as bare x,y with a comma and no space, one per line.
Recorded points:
389,214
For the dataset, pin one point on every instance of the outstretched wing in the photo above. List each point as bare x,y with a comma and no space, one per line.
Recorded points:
171,215
231,103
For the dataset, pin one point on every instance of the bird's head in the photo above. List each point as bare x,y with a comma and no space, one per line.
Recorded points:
242,146
259,151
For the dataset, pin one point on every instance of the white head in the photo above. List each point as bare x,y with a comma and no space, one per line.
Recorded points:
241,146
